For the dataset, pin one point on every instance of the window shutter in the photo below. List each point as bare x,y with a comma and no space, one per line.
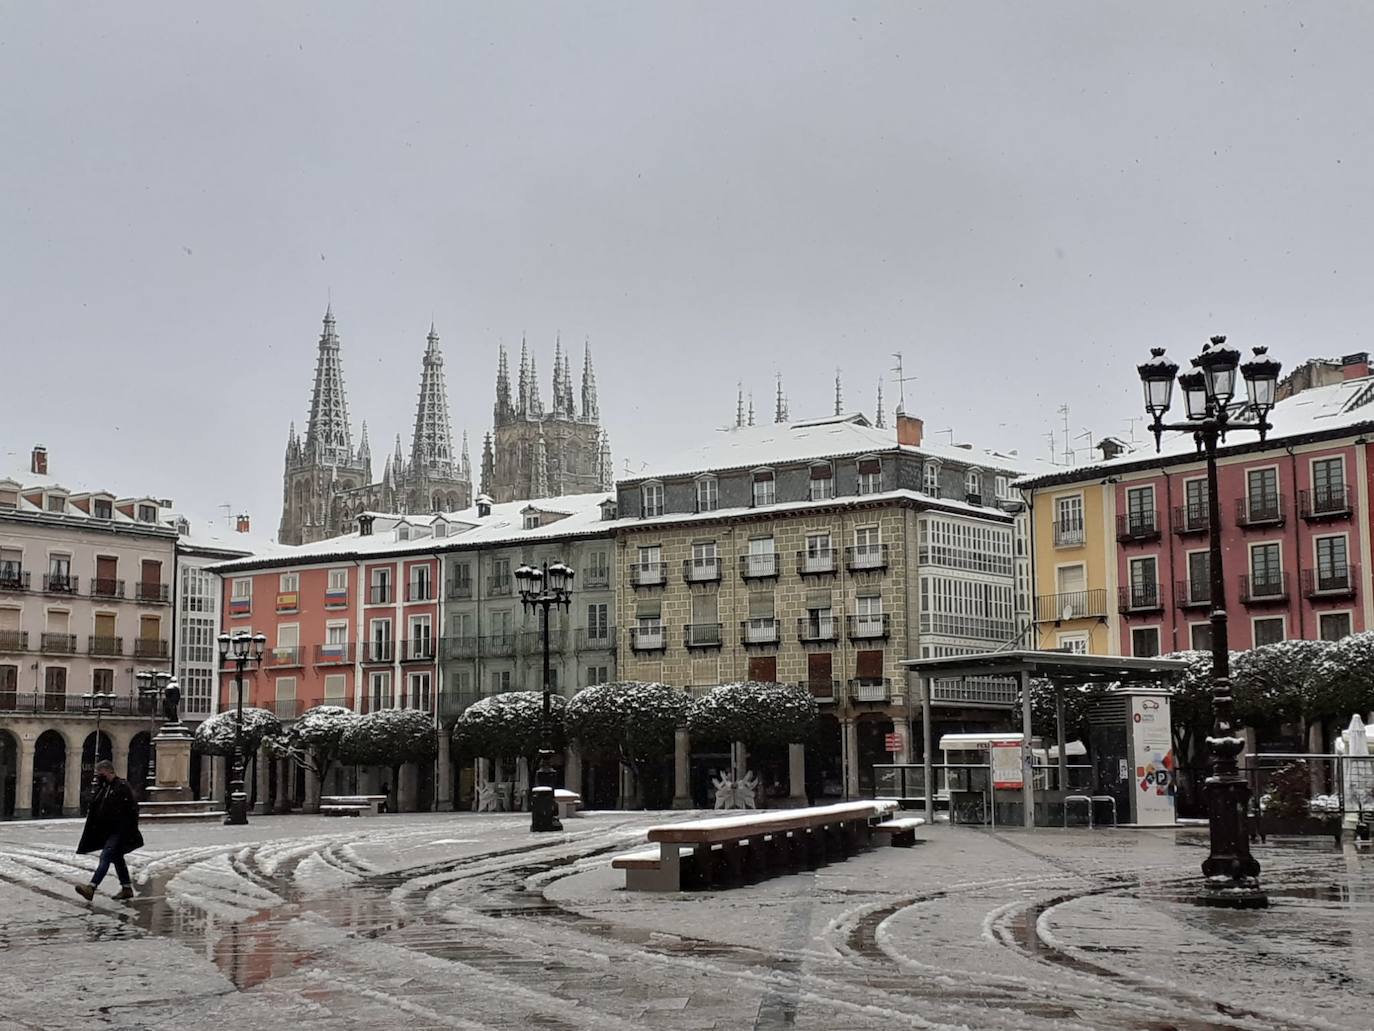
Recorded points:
868,665
821,472
763,669
818,667
648,609
818,600
760,606
763,476
870,465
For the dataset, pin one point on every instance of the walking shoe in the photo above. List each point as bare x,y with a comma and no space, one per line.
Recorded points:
126,892
86,891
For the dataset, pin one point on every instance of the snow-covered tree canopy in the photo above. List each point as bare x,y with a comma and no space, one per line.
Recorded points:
508,726
315,740
215,736
1347,673
753,712
632,719
1078,699
1281,681
390,737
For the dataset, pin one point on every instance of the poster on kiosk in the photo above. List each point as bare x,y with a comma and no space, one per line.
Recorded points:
1152,756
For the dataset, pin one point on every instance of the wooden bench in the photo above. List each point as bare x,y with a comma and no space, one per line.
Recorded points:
902,831
370,805
343,810
569,802
734,850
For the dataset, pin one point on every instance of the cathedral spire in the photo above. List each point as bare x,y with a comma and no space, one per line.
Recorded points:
605,472
524,393
488,466
839,395
465,463
558,410
431,448
536,406
539,474
502,410
780,411
365,455
751,408
739,405
882,419
398,463
327,435
590,410
291,444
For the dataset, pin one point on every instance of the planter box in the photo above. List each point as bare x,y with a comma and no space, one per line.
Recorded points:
1308,826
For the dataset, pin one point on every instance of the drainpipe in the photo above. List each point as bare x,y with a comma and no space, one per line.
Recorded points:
1297,545
1165,528
1032,582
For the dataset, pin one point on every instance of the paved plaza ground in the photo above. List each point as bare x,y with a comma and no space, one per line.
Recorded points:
468,921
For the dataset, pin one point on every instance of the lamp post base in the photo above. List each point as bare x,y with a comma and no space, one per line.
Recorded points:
1230,873
237,814
1230,894
543,806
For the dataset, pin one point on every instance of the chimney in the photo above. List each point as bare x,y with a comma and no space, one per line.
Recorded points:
1111,447
483,506
241,523
1355,366
38,462
365,525
909,430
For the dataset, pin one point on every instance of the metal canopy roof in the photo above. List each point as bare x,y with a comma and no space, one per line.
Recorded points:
1062,667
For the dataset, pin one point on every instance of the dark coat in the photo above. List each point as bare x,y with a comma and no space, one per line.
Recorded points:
113,810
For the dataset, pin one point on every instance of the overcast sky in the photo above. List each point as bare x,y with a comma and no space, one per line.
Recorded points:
1020,197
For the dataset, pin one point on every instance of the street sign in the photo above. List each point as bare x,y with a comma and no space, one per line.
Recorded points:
894,742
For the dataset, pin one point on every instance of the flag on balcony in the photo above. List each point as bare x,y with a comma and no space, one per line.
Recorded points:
240,606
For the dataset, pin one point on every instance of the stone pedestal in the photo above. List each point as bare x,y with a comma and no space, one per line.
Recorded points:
262,776
173,772
311,802
407,788
572,768
682,789
796,775
443,775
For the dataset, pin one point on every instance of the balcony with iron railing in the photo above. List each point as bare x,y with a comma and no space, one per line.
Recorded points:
759,566
417,649
498,646
150,648
1335,582
14,641
461,647
1194,517
1325,503
596,638
531,642
816,563
460,590
1135,599
454,703
1069,533
870,689
866,558
105,645
818,630
701,570
153,594
1055,608
285,708
380,594
1263,590
499,586
648,639
378,652
595,579
702,635
57,644
867,627
12,577
420,590
1193,594
60,701
821,690
107,587
340,653
761,630
1137,527
61,583
648,574
288,655
1259,510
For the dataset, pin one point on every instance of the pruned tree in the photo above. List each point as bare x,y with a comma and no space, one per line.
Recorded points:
1286,682
633,721
391,738
757,713
1347,674
315,741
509,726
215,736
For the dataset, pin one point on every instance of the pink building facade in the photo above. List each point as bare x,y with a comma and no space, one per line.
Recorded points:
1295,532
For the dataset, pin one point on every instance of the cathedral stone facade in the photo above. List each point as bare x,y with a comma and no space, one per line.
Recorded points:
531,453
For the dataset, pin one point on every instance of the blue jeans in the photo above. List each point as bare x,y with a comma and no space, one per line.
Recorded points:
110,856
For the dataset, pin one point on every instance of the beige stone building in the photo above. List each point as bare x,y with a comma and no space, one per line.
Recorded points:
823,553
85,602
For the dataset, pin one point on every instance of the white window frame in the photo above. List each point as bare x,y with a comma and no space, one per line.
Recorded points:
1255,621
1072,639
1205,624
869,483
339,697
769,494
821,488
1159,638
1063,539
973,482
338,579
289,583
707,493
241,589
1349,615
930,478
413,681
384,698
651,499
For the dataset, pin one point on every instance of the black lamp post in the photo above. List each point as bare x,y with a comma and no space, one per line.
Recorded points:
543,589
246,650
151,685
98,702
1231,873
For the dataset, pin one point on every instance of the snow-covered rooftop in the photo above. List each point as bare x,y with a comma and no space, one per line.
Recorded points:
749,447
1336,408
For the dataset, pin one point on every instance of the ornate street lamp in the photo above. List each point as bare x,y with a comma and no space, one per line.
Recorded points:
151,685
1231,873
542,589
98,702
245,650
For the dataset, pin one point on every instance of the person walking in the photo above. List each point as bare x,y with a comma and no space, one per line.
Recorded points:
112,829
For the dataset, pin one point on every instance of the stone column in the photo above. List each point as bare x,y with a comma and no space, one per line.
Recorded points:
522,773
796,774
850,729
901,726
23,785
285,784
443,775
572,768
407,788
71,781
207,767
739,760
682,788
311,802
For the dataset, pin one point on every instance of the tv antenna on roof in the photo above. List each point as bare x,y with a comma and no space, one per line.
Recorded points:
1131,423
950,431
902,380
1068,443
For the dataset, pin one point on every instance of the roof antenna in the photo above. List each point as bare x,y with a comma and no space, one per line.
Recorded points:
902,381
1068,448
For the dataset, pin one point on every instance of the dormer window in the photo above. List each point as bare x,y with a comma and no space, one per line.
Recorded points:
102,508
765,488
56,503
870,475
403,532
708,494
973,486
147,513
441,529
822,481
609,509
652,496
1001,487
932,479
531,520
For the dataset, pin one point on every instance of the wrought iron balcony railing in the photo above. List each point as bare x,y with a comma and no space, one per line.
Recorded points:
417,649
157,594
1259,590
868,627
1325,503
13,578
702,635
648,574
107,587
759,566
821,690
813,630
1192,518
380,594
340,653
1260,510
596,638
61,583
816,563
105,645
499,586
701,570
1193,594
58,644
648,639
374,652
1137,527
1137,598
150,648
14,640
1337,582
460,590
460,647
1069,533
866,558
1054,608
759,630
420,590
870,689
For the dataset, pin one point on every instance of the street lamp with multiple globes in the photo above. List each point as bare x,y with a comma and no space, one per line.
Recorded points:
98,702
245,650
543,589
151,685
1231,873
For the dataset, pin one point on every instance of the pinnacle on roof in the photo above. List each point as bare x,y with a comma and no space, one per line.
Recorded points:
327,434
431,449
780,409
536,406
839,395
465,463
739,404
488,465
365,452
569,402
523,397
882,419
751,408
605,469
503,406
558,409
539,474
590,409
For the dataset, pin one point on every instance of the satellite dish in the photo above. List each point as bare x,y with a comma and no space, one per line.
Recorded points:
1068,611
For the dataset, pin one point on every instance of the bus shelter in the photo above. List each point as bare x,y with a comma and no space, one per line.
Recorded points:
956,680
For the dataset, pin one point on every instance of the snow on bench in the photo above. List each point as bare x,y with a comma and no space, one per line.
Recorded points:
343,810
722,847
903,830
569,802
371,804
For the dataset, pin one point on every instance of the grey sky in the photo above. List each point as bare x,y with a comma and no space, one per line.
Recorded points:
1021,197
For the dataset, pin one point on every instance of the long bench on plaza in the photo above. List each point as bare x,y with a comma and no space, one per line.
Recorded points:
352,805
734,850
